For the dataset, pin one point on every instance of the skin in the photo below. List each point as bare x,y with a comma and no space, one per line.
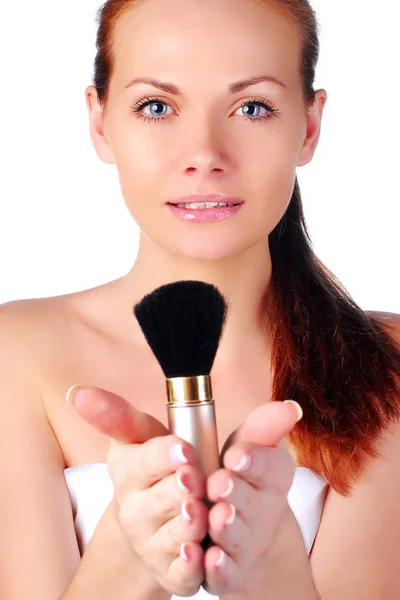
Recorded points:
206,143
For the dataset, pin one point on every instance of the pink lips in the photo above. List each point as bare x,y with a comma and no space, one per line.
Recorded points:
216,197
197,215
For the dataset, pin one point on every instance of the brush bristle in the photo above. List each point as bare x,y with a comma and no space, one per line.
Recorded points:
183,323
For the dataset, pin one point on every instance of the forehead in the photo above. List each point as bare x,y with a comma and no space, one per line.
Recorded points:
228,37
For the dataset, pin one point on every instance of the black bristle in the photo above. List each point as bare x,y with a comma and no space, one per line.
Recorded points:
183,323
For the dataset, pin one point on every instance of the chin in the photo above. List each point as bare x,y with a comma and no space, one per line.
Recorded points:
213,249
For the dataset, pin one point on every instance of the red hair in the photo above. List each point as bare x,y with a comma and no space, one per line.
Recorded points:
339,362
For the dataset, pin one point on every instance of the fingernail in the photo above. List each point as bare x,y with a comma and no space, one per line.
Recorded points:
228,490
221,562
298,407
243,464
181,485
71,393
184,553
187,517
177,454
232,516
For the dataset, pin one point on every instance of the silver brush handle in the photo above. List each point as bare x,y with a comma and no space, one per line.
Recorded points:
196,424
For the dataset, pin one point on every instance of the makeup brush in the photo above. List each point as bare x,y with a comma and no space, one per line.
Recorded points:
183,323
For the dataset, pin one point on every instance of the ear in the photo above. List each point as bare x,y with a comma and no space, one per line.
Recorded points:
313,128
97,133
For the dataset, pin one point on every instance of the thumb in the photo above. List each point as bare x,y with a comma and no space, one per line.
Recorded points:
114,416
270,423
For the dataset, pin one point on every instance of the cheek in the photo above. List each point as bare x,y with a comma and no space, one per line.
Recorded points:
275,156
142,167
150,153
269,179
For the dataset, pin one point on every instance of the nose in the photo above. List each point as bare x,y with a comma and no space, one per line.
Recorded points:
207,153
207,161
204,167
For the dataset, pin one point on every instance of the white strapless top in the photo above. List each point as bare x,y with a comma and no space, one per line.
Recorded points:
91,490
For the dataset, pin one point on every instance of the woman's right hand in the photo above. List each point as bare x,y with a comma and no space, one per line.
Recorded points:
147,466
153,508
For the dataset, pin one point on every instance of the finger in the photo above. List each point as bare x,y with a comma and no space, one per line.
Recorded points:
139,466
243,518
265,469
114,416
168,495
154,520
186,574
170,536
229,531
272,471
221,577
157,521
268,424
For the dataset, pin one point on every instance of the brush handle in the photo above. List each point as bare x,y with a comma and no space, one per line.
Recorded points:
196,424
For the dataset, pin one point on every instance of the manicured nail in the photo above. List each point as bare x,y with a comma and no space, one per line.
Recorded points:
71,392
298,408
177,454
231,517
184,553
187,517
181,485
221,562
243,464
228,489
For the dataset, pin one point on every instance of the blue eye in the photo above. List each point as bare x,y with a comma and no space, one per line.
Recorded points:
271,111
137,109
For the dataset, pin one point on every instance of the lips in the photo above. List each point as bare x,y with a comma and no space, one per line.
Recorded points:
206,198
204,215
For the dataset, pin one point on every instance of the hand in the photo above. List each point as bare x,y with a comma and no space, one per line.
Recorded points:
146,489
258,499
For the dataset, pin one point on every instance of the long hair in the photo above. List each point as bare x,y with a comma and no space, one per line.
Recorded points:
339,362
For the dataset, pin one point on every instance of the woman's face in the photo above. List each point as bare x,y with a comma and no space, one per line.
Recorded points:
203,140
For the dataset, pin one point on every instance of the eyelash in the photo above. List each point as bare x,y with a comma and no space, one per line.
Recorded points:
137,109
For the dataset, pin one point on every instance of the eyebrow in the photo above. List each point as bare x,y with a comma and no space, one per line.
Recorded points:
233,88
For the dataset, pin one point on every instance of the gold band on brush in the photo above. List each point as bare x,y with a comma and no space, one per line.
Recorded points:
189,390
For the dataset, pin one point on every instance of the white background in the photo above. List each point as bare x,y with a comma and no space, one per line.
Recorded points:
63,222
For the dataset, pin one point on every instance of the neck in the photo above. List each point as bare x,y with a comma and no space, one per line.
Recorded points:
242,279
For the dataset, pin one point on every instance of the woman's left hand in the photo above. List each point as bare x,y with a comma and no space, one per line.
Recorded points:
256,503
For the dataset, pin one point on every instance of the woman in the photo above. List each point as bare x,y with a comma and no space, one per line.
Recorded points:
293,332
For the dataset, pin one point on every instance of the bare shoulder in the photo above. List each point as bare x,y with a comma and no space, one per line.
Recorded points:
47,330
31,327
392,319
390,322
21,332
359,532
26,330
39,338
32,462
33,316
19,317
54,343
